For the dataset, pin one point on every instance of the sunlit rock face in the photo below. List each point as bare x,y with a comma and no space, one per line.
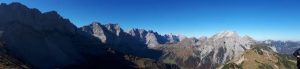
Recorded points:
171,38
97,30
222,47
153,39
113,36
207,52
150,38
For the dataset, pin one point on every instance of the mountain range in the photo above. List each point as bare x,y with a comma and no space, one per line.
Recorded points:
30,39
284,47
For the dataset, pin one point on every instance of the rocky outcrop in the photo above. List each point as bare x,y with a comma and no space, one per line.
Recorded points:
153,39
223,47
172,38
114,37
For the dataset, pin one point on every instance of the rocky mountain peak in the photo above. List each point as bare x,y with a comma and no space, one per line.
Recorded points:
224,46
172,38
17,13
114,28
96,29
231,38
152,38
95,23
139,33
15,5
52,14
226,34
136,30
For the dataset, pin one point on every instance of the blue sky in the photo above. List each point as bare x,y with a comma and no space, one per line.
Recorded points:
260,19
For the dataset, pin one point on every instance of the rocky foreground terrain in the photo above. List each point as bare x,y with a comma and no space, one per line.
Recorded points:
30,39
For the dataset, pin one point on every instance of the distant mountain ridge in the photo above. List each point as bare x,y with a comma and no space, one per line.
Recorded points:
47,40
114,36
283,47
153,39
228,43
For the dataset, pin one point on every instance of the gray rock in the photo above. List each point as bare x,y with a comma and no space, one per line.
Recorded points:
223,47
153,39
208,53
114,37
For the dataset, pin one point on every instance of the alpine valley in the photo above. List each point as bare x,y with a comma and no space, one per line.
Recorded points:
30,39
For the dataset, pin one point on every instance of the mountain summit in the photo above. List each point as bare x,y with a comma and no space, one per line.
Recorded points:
208,52
226,34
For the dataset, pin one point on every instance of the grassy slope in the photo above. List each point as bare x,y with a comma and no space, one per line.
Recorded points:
145,63
179,55
260,57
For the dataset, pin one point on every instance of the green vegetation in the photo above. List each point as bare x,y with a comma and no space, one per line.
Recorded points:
232,66
265,66
286,60
258,50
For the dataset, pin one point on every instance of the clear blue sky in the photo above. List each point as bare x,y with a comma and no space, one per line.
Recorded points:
260,19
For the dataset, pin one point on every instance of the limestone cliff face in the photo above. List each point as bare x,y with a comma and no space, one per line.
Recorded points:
113,36
153,39
207,53
223,47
